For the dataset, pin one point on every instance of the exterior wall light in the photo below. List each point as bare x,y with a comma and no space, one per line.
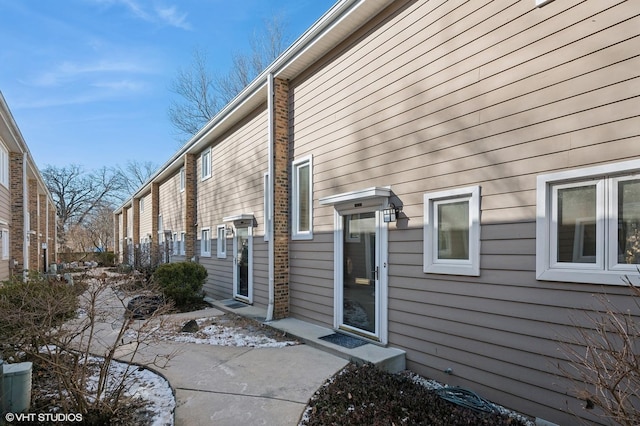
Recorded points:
390,214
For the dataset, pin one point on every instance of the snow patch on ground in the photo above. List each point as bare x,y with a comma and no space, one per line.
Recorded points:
220,335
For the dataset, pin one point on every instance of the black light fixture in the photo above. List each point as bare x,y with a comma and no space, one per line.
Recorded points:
390,214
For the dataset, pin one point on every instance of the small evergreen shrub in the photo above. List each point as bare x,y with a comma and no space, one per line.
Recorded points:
181,282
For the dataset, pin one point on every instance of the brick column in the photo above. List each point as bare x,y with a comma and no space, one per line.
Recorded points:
42,232
281,199
52,236
190,213
136,221
32,198
155,212
125,234
116,238
16,232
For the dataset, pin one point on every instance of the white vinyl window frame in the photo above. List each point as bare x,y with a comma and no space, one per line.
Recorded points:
5,244
141,203
603,268
205,164
205,242
182,179
175,244
183,236
221,241
4,165
432,263
302,222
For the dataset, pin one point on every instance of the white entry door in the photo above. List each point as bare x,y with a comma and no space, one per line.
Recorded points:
243,264
361,274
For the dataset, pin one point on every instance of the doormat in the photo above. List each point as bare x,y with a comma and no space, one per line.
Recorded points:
344,340
233,304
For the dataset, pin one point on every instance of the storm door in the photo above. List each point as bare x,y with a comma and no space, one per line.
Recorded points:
243,264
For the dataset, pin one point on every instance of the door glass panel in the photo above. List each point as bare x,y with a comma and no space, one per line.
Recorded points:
242,262
577,224
360,273
629,222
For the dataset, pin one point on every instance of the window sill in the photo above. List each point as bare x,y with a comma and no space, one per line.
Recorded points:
586,277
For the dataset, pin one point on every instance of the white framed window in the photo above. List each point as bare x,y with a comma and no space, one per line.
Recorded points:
302,190
160,230
182,179
222,242
452,231
175,244
141,205
5,244
4,165
205,164
267,207
205,242
588,224
183,236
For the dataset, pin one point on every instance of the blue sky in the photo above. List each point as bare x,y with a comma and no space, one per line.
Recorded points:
88,81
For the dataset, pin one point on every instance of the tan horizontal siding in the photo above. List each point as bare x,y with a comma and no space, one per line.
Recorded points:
239,161
447,94
171,205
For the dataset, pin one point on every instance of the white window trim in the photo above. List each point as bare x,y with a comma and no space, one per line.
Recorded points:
296,234
205,156
5,244
4,165
606,270
141,204
204,243
182,178
470,267
182,241
221,241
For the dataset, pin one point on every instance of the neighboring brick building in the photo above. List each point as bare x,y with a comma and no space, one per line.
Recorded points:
27,210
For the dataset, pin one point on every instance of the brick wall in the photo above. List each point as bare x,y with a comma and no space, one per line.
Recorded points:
281,199
190,216
125,234
42,231
32,199
16,174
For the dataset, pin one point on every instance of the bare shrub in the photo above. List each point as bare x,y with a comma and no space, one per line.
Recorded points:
78,339
604,360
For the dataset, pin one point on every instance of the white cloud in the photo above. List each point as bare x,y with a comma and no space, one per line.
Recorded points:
73,71
174,18
159,14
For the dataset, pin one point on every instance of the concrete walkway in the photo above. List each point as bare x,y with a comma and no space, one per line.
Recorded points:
224,385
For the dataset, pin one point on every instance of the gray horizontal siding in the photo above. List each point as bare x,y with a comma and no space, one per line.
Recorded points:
446,94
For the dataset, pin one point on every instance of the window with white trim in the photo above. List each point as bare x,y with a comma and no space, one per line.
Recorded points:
452,231
205,242
588,224
183,236
5,244
222,241
175,244
205,164
141,201
182,179
302,190
4,165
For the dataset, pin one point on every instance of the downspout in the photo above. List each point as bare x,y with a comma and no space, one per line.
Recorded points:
269,213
